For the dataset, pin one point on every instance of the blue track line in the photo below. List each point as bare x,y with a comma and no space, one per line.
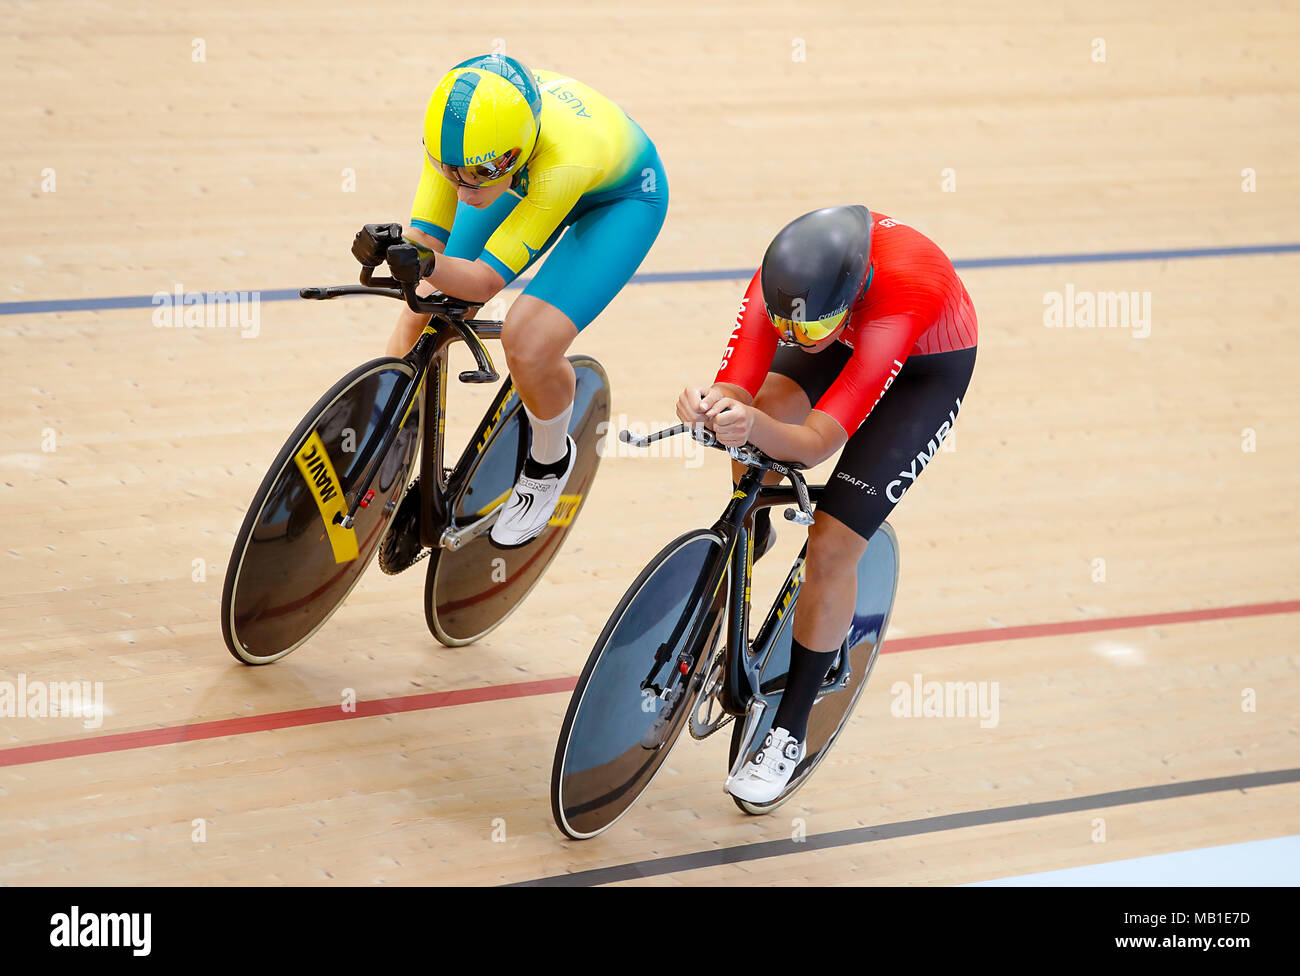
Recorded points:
725,274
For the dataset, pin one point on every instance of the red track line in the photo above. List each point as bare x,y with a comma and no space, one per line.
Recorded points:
92,745
276,720
1087,626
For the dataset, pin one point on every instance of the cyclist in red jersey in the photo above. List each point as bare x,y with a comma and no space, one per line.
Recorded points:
856,332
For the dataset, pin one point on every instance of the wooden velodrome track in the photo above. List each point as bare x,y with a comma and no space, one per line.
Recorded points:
1121,683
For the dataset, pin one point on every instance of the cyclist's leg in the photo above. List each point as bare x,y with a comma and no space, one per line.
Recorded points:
603,244
598,255
882,458
822,617
599,252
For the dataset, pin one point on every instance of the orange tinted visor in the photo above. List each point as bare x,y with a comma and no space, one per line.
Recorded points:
801,333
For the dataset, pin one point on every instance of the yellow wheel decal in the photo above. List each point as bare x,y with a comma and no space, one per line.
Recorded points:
314,463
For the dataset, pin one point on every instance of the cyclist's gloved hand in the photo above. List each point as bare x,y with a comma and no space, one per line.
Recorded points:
410,262
373,241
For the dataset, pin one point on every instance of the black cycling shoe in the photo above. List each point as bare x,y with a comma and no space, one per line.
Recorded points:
400,548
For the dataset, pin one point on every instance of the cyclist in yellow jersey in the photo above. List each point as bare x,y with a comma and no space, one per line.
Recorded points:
517,164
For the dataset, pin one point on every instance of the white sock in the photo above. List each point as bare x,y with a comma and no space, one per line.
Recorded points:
550,437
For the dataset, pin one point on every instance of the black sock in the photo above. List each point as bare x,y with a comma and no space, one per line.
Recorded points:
536,469
807,672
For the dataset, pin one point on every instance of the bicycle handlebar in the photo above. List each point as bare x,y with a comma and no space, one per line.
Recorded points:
451,310
746,454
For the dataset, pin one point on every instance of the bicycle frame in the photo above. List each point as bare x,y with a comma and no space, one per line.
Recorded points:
429,358
743,659
439,483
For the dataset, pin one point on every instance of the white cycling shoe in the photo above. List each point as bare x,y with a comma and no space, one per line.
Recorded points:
530,506
764,777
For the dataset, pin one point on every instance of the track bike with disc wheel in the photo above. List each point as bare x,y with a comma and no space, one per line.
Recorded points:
337,491
676,654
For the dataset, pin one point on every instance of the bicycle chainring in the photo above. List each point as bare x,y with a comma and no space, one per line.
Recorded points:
708,716
400,548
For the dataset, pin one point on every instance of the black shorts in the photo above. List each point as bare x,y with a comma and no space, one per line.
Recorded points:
886,455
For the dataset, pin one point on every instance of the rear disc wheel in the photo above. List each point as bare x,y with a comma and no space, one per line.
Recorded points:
877,583
470,591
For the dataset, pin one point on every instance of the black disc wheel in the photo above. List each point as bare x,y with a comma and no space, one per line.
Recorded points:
293,563
638,688
469,591
877,581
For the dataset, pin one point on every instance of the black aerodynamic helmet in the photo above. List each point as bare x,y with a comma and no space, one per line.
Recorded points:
814,270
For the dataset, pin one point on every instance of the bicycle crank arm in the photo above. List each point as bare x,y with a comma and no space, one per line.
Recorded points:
454,539
753,718
837,679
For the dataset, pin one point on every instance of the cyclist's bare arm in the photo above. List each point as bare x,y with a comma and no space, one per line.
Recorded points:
809,443
449,275
473,281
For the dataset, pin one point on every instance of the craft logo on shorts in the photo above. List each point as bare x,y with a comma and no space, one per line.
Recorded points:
74,930
855,482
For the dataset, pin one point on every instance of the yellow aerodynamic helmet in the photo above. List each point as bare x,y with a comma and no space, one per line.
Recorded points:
482,121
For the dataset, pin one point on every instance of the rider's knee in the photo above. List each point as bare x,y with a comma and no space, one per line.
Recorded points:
833,547
519,342
527,339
